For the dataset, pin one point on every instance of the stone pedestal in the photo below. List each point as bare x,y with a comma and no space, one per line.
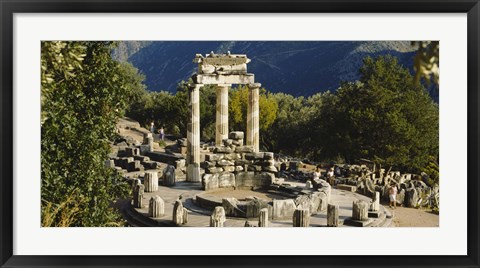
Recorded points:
156,207
193,134
138,196
218,217
263,218
360,210
221,124
359,214
332,215
253,117
301,218
180,214
151,182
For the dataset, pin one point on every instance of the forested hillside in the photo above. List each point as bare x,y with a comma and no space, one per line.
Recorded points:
296,68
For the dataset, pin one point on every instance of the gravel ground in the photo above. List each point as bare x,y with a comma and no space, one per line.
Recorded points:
411,217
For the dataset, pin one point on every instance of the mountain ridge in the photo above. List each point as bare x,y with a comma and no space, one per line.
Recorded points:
299,68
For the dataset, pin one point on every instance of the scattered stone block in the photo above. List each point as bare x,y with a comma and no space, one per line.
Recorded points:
255,205
156,207
254,156
231,206
208,164
236,135
237,142
242,162
270,169
132,151
134,166
232,156
346,187
213,170
283,209
179,164
244,149
141,158
110,163
223,149
268,156
226,180
308,185
150,164
210,181
213,157
224,162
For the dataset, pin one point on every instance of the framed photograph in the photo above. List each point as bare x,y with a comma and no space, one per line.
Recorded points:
265,114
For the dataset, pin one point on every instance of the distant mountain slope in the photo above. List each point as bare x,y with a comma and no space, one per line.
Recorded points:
294,67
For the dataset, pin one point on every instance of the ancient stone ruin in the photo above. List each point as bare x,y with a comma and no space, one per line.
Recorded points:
232,183
221,70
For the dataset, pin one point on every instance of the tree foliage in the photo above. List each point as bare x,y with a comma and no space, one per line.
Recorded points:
383,117
239,104
83,93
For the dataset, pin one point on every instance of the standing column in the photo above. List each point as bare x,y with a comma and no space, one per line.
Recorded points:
253,117
221,124
193,134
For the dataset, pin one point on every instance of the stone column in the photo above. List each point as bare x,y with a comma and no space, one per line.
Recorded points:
332,215
221,124
253,117
138,196
375,205
301,218
193,134
263,219
151,181
156,207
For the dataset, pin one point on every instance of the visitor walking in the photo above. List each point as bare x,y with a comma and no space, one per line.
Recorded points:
392,194
162,133
152,127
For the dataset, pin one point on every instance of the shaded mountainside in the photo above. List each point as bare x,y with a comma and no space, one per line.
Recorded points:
294,67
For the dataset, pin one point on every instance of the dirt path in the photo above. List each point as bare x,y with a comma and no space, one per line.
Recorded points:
411,217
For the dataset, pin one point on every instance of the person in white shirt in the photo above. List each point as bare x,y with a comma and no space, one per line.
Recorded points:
316,173
392,194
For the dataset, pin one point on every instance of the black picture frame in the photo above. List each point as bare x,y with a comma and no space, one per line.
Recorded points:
9,7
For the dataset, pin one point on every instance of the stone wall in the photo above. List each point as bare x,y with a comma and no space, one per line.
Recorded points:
234,165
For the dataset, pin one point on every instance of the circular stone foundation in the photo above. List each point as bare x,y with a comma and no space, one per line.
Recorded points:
242,195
